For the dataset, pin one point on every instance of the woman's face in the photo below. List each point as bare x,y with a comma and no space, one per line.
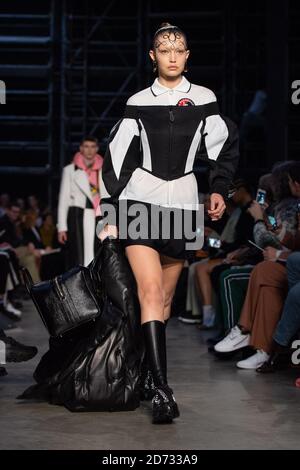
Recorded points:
170,54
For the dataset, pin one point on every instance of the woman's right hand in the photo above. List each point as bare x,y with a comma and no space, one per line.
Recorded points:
108,230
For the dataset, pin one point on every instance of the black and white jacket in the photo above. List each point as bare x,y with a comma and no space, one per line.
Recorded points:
152,148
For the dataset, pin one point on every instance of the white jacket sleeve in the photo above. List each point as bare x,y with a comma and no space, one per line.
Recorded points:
122,157
64,201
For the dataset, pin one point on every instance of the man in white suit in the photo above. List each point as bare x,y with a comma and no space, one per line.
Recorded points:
78,204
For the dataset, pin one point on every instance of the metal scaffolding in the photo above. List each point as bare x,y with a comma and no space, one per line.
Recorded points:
26,139
69,68
100,69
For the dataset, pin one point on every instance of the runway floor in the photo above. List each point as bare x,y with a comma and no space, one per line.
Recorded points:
221,407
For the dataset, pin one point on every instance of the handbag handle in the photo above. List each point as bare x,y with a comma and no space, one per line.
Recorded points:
93,264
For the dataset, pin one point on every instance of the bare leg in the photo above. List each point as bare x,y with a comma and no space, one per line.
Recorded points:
157,277
171,271
146,267
203,271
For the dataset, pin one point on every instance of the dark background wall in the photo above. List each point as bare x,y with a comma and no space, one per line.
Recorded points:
69,67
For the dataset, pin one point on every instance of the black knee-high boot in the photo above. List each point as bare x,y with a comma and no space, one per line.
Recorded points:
165,408
147,390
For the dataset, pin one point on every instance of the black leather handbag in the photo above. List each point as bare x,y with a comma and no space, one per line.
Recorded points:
70,299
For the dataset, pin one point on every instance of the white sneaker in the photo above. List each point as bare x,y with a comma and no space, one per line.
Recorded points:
255,361
233,341
11,309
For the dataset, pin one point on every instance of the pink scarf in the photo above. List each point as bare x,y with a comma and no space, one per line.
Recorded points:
92,173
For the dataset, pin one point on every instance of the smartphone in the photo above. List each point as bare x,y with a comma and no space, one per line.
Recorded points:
261,196
214,242
256,246
273,222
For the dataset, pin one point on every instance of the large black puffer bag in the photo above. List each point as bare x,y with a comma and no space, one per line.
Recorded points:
97,367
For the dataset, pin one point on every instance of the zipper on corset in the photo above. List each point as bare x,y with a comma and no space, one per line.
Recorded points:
172,119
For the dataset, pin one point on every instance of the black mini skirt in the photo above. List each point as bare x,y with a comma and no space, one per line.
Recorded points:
170,237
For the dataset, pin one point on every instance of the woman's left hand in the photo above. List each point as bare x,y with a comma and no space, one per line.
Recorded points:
217,206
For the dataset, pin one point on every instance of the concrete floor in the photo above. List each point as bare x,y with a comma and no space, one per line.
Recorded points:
221,407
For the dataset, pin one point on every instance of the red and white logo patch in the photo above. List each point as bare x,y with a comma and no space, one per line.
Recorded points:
185,102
